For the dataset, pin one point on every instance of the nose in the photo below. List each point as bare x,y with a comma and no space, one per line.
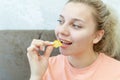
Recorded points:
64,30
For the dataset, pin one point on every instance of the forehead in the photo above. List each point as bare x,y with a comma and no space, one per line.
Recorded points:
77,10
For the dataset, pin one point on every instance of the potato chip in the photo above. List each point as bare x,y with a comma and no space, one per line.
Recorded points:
57,43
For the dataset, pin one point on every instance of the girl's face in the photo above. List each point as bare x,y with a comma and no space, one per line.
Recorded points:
76,29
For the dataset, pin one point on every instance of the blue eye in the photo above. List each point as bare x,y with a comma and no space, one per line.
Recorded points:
60,22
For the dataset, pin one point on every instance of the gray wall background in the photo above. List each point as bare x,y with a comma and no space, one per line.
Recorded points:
36,14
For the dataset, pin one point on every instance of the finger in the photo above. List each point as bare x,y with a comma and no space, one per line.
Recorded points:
32,50
45,43
34,56
40,44
48,43
37,42
48,51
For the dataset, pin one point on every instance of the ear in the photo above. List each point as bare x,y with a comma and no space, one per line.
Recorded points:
98,36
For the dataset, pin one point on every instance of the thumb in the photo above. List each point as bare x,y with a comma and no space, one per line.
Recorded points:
48,51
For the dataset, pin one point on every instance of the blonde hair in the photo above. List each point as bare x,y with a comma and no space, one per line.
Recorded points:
105,21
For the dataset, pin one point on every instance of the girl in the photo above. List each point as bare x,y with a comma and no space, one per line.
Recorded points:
86,30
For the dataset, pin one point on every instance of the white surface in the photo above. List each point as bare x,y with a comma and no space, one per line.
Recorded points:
36,14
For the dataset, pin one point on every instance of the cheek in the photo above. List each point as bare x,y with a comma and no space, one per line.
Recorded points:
56,31
82,38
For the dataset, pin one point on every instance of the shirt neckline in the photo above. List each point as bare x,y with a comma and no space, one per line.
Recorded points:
91,67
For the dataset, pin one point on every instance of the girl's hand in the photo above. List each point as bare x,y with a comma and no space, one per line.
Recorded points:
38,63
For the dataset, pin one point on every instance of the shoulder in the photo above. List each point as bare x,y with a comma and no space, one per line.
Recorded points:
55,64
57,60
110,60
109,64
108,68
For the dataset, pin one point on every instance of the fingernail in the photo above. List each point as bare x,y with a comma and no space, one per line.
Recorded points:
51,43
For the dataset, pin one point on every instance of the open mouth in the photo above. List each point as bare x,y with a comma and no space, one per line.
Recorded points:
64,42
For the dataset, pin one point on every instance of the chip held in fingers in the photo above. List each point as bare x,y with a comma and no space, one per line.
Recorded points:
56,43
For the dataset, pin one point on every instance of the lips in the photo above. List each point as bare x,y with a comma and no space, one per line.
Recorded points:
65,42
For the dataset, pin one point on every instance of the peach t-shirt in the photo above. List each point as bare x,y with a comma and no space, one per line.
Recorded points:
104,68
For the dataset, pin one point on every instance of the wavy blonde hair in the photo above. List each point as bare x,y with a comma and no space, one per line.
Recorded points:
105,21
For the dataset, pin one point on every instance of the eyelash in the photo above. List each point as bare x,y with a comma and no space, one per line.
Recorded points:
76,26
60,22
73,25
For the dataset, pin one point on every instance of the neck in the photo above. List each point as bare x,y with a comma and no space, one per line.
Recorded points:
83,60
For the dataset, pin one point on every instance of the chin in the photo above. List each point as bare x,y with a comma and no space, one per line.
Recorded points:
65,53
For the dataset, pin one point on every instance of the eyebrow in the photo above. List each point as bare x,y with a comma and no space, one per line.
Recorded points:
75,19
61,16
